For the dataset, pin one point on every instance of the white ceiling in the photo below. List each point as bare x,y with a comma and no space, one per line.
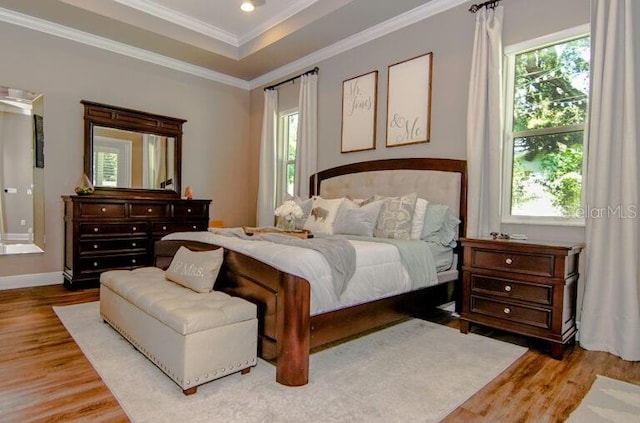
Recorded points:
214,38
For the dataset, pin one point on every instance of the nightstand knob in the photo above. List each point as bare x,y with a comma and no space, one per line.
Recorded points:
509,260
507,288
507,310
149,210
104,209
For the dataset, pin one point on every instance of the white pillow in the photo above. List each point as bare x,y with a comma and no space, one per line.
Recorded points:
417,221
196,270
322,215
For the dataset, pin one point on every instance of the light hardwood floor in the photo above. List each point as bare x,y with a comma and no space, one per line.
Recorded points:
44,376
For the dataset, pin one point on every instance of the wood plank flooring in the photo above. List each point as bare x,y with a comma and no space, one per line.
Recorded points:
44,377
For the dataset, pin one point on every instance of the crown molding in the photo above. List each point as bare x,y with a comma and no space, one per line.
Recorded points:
186,21
61,31
410,17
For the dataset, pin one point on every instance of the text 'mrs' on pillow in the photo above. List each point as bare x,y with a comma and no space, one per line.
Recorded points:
196,270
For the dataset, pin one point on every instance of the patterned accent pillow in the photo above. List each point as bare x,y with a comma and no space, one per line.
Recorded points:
196,270
322,215
395,217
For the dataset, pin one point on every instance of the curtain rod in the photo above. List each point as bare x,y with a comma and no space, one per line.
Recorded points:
488,4
274,86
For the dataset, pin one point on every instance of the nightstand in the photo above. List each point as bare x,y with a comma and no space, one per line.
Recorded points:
525,287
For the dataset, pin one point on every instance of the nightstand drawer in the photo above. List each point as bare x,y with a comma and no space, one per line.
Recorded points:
508,288
532,316
533,264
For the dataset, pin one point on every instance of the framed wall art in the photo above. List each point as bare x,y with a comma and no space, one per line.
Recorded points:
359,103
409,101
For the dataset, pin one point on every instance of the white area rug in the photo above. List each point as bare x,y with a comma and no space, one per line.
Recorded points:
609,400
414,371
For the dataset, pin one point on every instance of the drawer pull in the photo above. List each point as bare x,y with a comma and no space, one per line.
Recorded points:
103,209
509,260
135,228
188,210
149,210
95,264
507,310
194,226
133,261
507,288
133,244
95,229
164,228
95,246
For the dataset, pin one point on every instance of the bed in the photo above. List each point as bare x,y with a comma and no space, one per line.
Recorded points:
290,328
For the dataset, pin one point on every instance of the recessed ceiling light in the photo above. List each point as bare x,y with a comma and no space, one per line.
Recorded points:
247,6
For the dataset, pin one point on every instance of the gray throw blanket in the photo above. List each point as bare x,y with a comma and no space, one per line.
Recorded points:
338,251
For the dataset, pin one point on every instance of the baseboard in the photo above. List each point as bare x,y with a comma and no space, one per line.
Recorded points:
27,281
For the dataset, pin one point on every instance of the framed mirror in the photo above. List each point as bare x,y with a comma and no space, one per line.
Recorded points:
132,153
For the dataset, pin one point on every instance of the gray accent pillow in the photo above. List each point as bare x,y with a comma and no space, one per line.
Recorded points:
433,219
353,219
395,216
196,270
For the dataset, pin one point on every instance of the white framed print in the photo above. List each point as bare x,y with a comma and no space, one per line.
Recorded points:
359,104
409,101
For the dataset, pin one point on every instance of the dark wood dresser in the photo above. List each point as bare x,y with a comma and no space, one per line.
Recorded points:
105,233
526,287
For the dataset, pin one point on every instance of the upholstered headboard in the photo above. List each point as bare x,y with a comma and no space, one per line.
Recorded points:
441,181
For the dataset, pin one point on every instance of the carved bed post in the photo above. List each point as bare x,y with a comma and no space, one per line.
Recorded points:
293,330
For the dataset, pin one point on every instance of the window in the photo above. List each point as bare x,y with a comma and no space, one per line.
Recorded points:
547,98
287,138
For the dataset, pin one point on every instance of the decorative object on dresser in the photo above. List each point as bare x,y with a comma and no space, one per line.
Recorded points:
526,287
105,233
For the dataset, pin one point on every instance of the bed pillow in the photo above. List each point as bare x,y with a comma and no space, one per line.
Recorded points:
433,219
305,204
353,219
322,215
196,270
446,233
417,221
395,216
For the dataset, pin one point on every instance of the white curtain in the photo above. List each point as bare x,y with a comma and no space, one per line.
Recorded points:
307,145
484,124
611,308
268,161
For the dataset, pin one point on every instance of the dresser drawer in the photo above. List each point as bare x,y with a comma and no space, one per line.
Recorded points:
533,316
193,210
106,210
116,261
148,210
96,246
534,264
165,228
508,288
111,229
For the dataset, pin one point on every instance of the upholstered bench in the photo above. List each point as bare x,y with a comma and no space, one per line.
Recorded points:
193,337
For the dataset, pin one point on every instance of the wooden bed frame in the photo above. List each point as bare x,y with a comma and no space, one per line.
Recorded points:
287,332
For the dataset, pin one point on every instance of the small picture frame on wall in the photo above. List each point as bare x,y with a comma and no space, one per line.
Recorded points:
38,135
359,104
409,101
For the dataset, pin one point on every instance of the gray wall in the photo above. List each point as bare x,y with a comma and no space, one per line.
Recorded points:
449,36
215,135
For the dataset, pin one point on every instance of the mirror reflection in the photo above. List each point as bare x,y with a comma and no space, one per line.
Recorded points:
21,171
129,159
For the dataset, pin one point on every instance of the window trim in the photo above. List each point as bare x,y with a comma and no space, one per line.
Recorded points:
510,53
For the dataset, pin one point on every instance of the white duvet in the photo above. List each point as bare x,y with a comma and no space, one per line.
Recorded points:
379,270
